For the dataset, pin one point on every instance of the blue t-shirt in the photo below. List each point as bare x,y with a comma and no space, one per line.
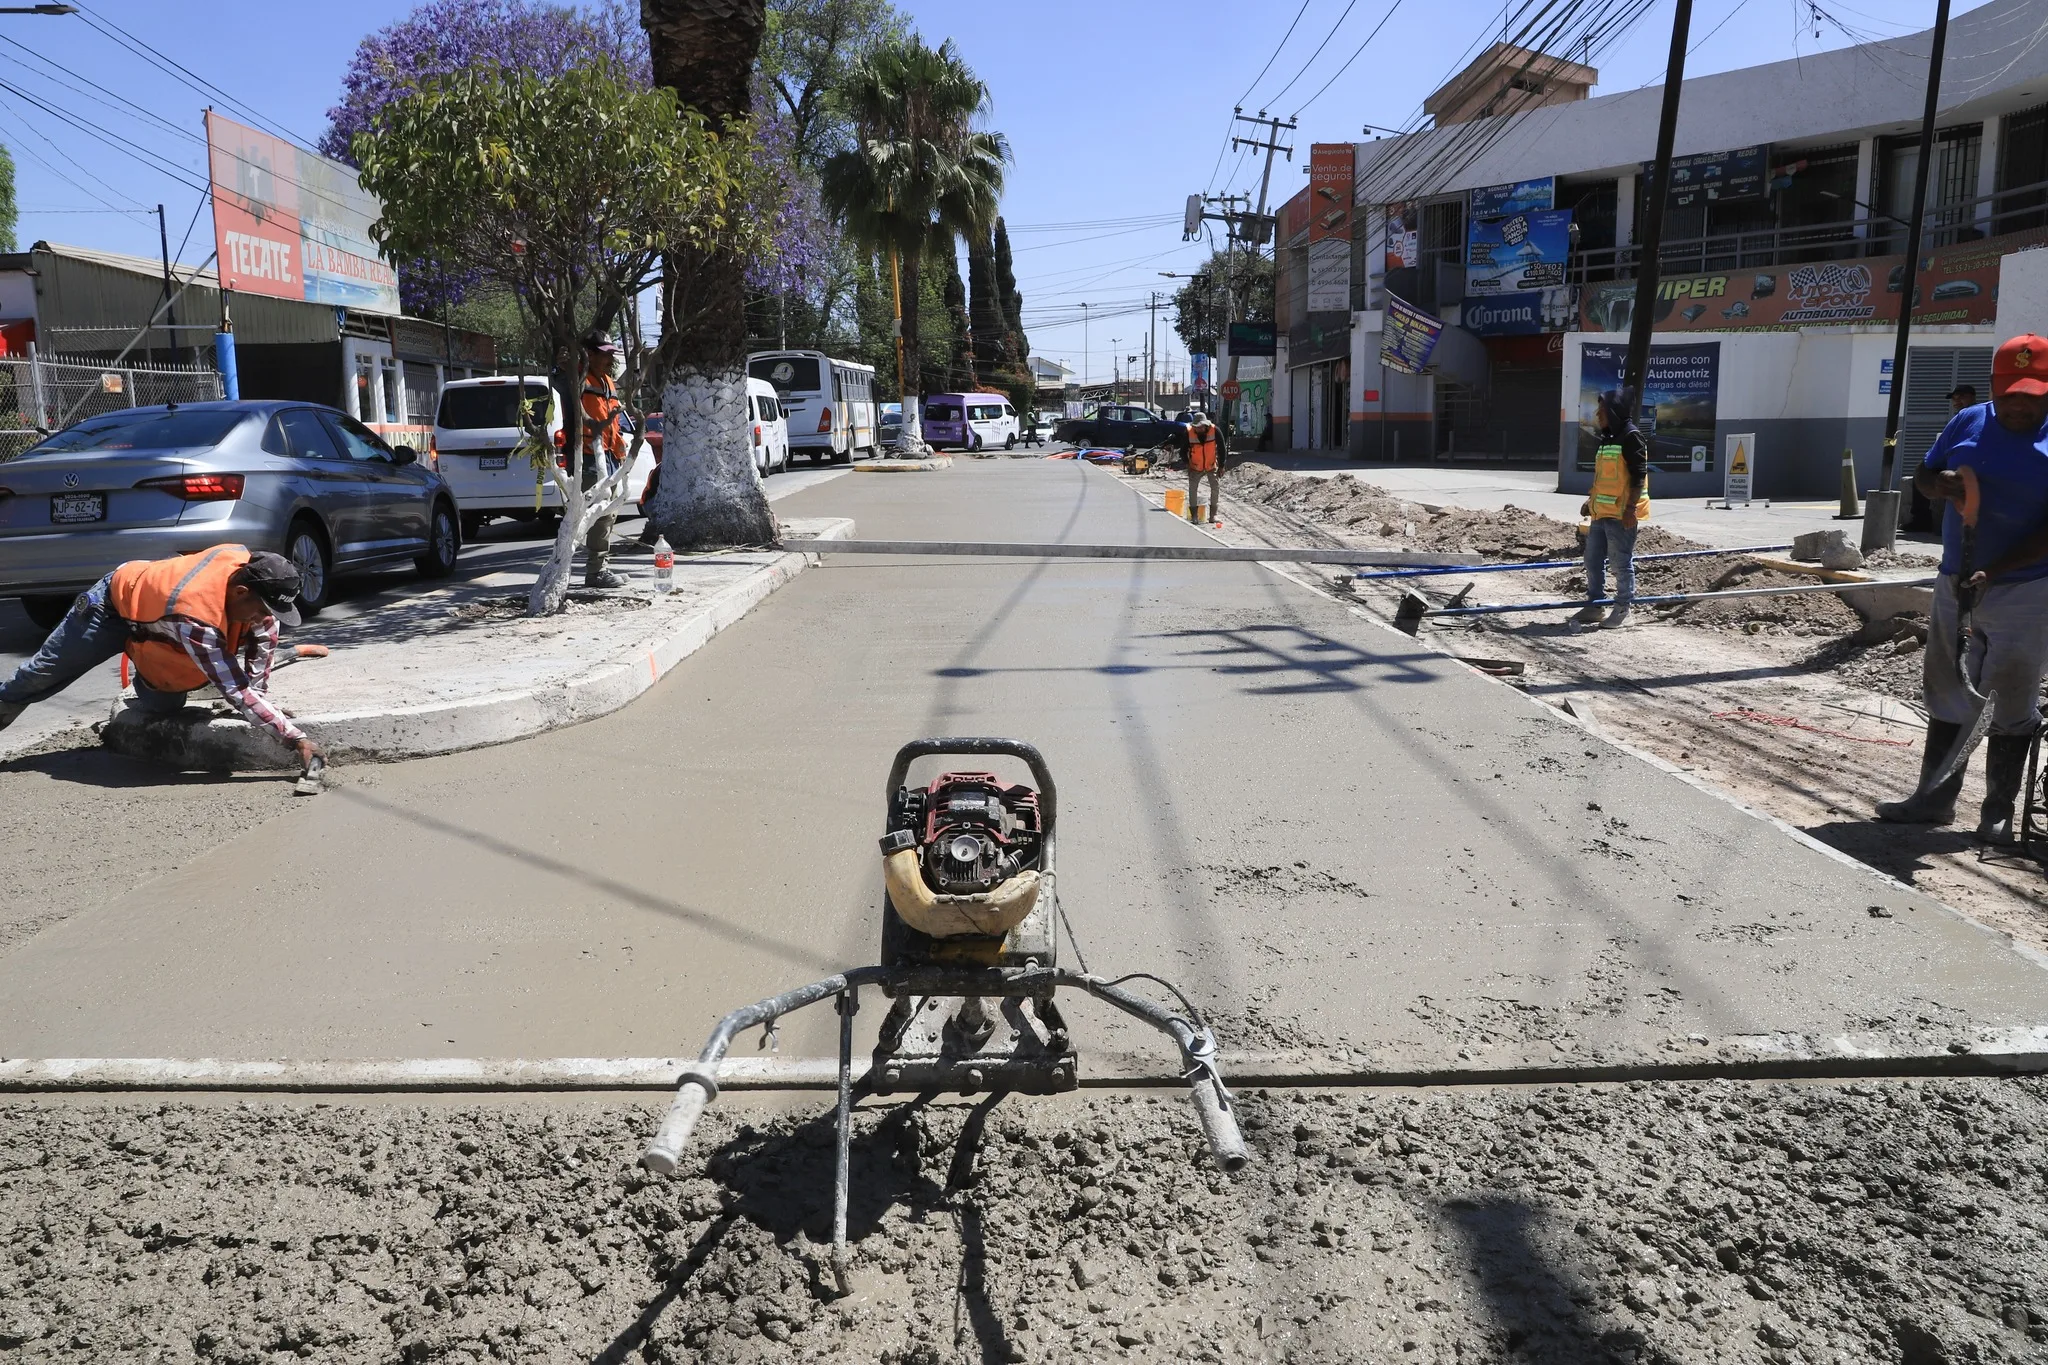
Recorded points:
2012,482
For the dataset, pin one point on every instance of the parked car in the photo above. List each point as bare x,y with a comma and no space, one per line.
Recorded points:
970,421
475,427
146,483
891,420
1119,426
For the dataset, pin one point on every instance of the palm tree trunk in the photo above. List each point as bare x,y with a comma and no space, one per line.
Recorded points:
709,493
912,269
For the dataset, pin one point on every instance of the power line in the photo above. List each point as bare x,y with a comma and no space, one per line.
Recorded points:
172,67
153,160
53,170
1275,100
1349,60
1241,99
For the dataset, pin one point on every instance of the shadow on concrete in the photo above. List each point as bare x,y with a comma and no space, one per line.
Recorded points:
1538,1308
91,765
1301,660
626,1345
596,881
1902,851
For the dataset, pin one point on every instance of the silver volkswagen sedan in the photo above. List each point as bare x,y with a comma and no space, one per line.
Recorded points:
147,483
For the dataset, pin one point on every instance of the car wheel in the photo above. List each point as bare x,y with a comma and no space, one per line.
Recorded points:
444,543
47,609
472,526
1010,441
306,547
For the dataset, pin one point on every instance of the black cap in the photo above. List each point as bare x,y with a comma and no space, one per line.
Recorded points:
275,579
1959,390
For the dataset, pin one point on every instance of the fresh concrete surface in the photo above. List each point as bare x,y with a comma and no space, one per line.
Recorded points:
1484,487
1336,839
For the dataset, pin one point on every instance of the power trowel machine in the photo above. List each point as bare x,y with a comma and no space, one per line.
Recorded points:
970,925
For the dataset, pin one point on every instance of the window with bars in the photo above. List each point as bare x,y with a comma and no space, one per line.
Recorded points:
2022,161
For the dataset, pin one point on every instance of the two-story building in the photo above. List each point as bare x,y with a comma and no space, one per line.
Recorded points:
1513,223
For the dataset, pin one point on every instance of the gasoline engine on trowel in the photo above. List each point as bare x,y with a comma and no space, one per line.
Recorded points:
970,926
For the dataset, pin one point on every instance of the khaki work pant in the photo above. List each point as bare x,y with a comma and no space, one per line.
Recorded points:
1215,479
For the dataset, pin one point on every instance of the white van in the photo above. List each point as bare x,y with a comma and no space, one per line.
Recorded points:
475,428
829,404
993,421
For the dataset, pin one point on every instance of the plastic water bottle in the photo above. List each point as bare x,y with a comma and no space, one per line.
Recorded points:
664,566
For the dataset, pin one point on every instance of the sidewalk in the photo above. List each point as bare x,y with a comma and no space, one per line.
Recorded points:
1488,488
462,666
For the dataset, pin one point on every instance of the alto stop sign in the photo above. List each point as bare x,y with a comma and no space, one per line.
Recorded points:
1231,390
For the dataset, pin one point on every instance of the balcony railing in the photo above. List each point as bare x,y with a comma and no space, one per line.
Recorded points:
1991,215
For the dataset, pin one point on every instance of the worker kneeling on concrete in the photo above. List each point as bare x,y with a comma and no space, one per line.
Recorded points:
2004,445
1204,446
1619,504
184,622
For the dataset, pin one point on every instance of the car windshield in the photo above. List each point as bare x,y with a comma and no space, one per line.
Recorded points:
145,431
942,412
486,405
892,419
788,373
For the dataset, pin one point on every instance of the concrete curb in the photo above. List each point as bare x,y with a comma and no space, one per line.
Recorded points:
494,717
1977,1052
902,466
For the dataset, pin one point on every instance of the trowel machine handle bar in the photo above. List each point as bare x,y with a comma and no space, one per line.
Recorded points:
1048,798
699,1084
1214,1106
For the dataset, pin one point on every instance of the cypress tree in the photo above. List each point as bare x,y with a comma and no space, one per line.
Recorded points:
986,310
1013,300
960,364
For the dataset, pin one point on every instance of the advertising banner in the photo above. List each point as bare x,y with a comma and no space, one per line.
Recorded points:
1251,338
1331,174
1717,176
1522,314
1501,201
1681,391
1329,276
1518,253
1408,336
1740,476
1404,236
1198,370
292,225
1958,284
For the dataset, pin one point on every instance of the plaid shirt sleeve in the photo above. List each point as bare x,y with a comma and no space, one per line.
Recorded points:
243,685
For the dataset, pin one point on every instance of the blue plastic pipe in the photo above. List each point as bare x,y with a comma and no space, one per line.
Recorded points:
224,361
1560,563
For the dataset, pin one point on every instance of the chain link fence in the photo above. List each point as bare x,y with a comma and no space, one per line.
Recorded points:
51,393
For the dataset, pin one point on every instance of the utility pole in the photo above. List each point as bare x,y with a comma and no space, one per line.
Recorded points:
1261,226
1652,239
163,238
1881,507
1151,343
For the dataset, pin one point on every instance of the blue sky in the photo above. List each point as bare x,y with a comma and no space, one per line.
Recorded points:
1116,112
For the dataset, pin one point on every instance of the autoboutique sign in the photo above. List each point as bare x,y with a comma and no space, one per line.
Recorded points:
1957,284
290,224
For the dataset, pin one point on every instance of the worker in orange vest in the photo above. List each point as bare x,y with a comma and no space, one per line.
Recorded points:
186,622
1204,444
601,409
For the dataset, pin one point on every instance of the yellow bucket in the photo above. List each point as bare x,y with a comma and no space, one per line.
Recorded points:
1176,501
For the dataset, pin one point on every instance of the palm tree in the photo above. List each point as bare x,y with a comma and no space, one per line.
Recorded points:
919,175
705,50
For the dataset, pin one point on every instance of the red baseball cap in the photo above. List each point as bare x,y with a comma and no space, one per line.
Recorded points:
2021,366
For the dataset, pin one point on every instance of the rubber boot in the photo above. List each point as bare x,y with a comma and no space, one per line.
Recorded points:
1937,807
1588,615
2005,768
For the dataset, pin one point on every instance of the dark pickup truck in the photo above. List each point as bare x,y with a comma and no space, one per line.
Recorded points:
1118,426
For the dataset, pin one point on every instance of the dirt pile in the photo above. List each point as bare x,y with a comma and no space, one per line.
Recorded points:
1645,1223
1502,535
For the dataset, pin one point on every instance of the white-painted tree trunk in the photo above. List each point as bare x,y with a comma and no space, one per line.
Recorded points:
581,509
709,494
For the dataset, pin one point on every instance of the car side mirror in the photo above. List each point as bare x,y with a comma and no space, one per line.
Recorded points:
404,455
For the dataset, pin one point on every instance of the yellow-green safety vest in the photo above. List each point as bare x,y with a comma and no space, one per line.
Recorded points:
1610,485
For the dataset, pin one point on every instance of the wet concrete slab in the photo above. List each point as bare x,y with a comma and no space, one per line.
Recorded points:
1340,842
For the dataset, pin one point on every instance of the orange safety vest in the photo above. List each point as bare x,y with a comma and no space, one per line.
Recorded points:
1201,449
1610,485
601,414
193,586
